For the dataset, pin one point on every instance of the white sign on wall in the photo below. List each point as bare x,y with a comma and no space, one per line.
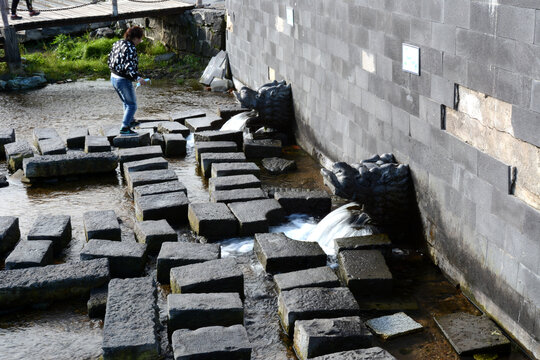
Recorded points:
411,59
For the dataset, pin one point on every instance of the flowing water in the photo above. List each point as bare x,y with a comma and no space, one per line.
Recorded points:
64,331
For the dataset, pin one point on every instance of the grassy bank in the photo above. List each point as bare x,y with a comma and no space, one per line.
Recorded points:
68,57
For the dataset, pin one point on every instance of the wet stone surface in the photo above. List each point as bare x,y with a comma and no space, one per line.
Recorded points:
235,195
212,220
139,178
277,165
56,228
207,159
365,272
136,154
75,163
374,353
9,233
394,325
102,225
94,144
325,336
304,202
257,215
322,276
159,188
125,259
233,182
368,242
216,135
172,207
16,152
230,169
154,233
29,254
175,254
214,147
157,163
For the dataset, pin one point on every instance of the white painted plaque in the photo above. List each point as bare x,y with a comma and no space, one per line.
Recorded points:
290,16
411,59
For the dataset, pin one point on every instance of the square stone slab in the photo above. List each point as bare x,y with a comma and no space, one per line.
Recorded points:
56,228
262,148
214,147
213,342
135,154
257,215
229,169
157,163
322,276
208,122
102,225
193,311
181,116
392,326
97,302
304,202
325,336
159,188
16,152
212,220
365,272
9,233
174,254
207,159
126,259
217,135
53,146
214,276
129,329
154,233
110,132
374,353
314,303
175,144
132,141
44,133
173,127
229,196
139,178
76,137
278,253
469,334
228,111
172,207
96,144
233,182
29,254
368,242
6,136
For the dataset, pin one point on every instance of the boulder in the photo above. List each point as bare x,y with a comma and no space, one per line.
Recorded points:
257,215
212,220
102,225
9,233
29,254
309,202
172,207
229,169
126,259
56,228
322,276
16,152
278,166
75,163
154,233
175,254
94,144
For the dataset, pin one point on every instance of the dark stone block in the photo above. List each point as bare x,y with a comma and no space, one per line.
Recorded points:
214,147
212,220
172,207
97,303
75,163
16,152
110,132
44,133
263,148
181,116
233,182
154,234
9,233
76,137
102,225
365,272
304,202
391,326
7,136
53,146
229,196
158,163
208,122
175,144
146,152
126,259
29,254
374,353
96,144
322,276
207,159
139,178
368,242
255,216
132,141
174,254
171,127
228,111
230,169
216,135
159,188
56,228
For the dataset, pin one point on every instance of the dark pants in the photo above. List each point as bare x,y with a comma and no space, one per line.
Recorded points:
15,3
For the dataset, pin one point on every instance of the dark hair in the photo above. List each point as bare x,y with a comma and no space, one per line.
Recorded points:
133,33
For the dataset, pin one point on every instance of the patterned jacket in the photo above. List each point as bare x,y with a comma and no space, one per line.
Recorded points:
123,60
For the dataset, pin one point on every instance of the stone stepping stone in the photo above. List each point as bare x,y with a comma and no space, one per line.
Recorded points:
278,166
322,276
218,135
126,259
257,215
150,125
154,233
157,139
74,163
7,136
38,285
110,132
29,254
365,272
146,152
228,111
77,137
132,141
157,163
172,207
230,169
212,342
94,144
314,303
172,127
263,148
9,233
207,159
212,220
194,311
229,196
159,188
208,122
175,144
214,276
44,133
97,302
391,326
374,353
102,224
53,146
156,118
131,318
56,228
233,182
214,147
3,181
138,178
368,242
325,336
16,152
181,116
469,334
175,254
278,253
304,202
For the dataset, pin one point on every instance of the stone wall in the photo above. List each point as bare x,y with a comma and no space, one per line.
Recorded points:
352,99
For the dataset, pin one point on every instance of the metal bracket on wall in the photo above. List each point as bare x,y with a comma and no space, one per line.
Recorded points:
456,96
443,117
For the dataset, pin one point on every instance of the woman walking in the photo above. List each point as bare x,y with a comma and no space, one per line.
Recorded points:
14,5
124,65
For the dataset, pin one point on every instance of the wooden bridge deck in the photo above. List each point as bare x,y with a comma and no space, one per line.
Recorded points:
67,12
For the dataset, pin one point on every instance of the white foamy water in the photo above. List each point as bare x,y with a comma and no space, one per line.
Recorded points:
236,123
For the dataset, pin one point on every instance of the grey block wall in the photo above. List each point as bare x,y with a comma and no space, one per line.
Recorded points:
485,239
